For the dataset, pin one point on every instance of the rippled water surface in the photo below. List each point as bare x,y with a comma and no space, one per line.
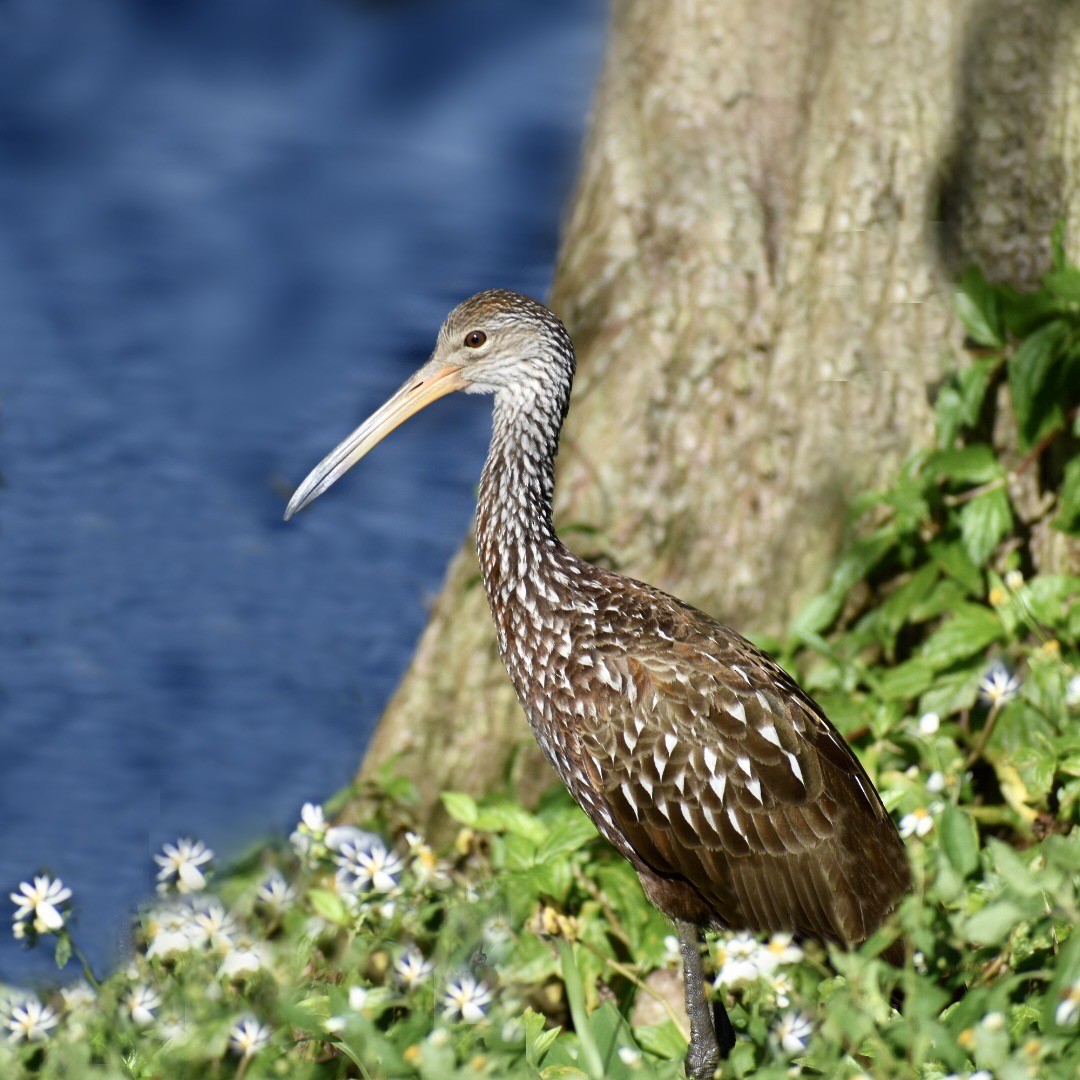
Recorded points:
228,230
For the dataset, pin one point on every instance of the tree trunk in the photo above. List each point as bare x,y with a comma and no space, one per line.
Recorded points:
756,272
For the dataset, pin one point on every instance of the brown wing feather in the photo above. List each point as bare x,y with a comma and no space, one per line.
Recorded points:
722,777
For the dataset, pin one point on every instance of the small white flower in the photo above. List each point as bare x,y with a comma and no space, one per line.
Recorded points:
935,782
337,836
981,1074
40,903
1072,692
426,865
275,892
181,861
738,958
783,989
794,1031
168,944
214,928
929,723
780,950
1014,580
313,818
629,1056
998,685
79,995
368,868
412,969
672,955
30,1021
247,959
1068,1011
920,821
141,1004
466,998
248,1037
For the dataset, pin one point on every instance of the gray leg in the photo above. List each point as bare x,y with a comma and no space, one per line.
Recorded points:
703,1057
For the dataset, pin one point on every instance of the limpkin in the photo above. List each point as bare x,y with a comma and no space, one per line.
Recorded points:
696,756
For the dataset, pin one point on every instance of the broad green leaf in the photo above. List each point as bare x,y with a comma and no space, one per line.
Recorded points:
664,1040
993,923
1068,515
974,464
983,522
977,308
953,558
330,906
461,807
960,839
1065,283
906,680
566,837
1030,369
512,818
970,629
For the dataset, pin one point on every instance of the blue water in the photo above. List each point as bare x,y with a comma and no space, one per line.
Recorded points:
228,229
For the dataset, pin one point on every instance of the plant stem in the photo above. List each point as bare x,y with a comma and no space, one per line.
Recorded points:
575,997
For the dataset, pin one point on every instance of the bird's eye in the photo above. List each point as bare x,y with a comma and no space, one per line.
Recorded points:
475,339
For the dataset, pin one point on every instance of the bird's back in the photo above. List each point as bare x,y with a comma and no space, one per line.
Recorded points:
706,765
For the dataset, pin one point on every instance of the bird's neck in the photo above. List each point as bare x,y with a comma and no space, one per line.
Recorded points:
515,535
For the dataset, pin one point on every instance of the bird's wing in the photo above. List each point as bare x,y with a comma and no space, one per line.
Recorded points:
718,770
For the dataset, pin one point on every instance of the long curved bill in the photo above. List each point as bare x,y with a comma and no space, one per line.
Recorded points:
432,381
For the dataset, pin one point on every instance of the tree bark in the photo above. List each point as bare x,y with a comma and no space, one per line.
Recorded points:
756,271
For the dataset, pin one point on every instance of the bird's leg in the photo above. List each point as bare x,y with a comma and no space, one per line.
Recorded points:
705,1051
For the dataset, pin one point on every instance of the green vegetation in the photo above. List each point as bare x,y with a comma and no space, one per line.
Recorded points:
946,658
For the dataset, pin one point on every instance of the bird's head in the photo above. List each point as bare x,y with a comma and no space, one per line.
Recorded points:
496,342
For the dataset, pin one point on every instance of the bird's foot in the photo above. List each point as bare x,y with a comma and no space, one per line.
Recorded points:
702,1059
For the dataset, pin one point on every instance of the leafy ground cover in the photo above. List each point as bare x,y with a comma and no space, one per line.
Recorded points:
940,647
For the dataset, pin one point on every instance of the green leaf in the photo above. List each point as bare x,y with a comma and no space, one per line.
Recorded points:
974,464
971,628
330,906
960,839
1064,283
664,1040
461,807
63,949
983,522
511,818
906,680
566,837
1030,369
977,309
1068,516
953,558
993,924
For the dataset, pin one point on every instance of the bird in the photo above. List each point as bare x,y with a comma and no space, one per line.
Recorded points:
696,756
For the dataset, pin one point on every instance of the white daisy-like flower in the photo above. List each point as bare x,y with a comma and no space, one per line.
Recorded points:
40,903
778,951
738,958
998,685
30,1021
935,782
783,989
920,821
275,892
141,1004
929,723
248,959
310,831
427,866
411,968
214,928
180,862
79,995
248,1037
337,836
168,944
1072,692
1068,1012
467,999
372,867
794,1032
